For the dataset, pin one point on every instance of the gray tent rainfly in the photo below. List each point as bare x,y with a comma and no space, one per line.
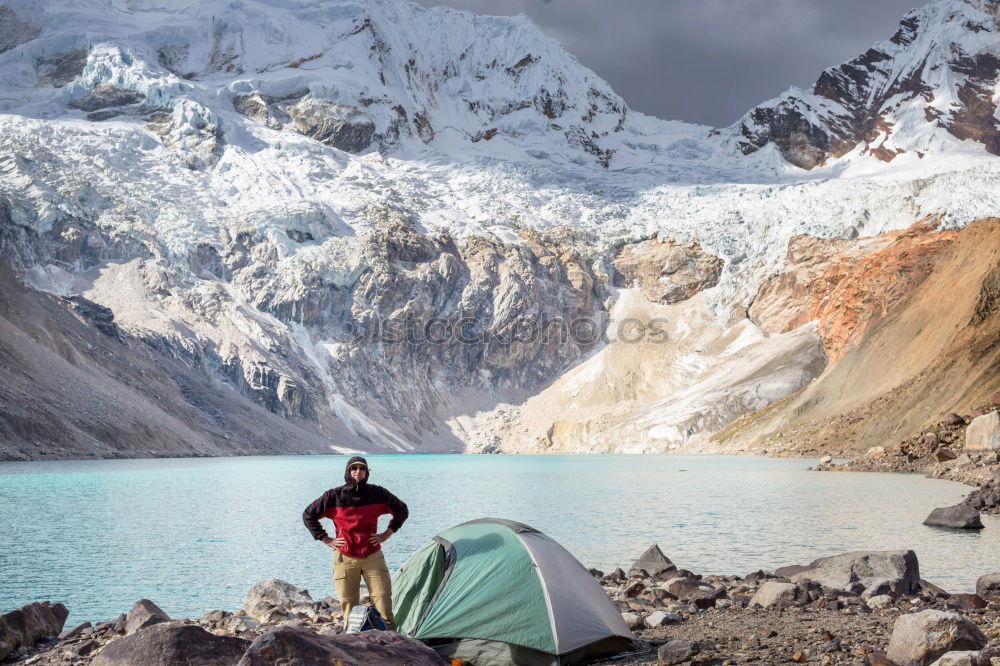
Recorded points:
494,591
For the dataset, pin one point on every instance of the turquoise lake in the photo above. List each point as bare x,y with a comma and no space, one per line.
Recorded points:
194,534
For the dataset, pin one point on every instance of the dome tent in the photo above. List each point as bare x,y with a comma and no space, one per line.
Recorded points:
494,591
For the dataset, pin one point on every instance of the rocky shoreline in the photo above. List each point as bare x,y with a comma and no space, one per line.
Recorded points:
959,448
854,608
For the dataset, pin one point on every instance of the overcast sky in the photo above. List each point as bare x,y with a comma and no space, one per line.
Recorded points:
705,61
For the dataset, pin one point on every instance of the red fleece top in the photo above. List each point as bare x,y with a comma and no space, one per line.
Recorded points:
355,516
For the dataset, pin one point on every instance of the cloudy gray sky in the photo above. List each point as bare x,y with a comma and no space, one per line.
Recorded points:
705,61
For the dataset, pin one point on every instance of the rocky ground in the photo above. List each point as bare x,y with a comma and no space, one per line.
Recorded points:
854,608
767,618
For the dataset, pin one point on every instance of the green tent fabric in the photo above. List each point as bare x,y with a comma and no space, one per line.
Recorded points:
494,591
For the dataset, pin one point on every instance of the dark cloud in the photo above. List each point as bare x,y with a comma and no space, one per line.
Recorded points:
705,61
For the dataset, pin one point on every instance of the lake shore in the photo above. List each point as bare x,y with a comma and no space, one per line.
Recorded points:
794,615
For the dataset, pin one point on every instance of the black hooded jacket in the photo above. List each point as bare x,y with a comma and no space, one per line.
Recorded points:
354,509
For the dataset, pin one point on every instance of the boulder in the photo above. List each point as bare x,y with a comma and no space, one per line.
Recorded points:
634,589
85,648
239,624
773,593
968,601
944,454
953,419
172,644
708,598
25,625
918,639
78,630
988,587
676,652
144,614
958,658
880,601
276,592
789,571
632,620
661,619
868,573
684,588
983,434
296,646
270,600
960,516
653,561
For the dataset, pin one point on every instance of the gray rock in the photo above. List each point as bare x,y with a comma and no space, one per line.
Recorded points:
983,434
988,587
773,593
918,639
343,127
24,626
144,614
268,599
632,620
75,631
944,454
676,652
958,658
239,625
119,624
60,69
880,601
960,516
868,573
295,646
684,588
790,570
172,644
85,648
105,96
653,561
661,619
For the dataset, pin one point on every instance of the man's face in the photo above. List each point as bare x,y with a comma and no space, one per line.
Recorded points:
358,472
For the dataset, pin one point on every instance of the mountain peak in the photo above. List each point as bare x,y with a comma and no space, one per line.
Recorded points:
931,83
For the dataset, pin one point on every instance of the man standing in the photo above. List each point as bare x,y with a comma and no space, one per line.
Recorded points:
355,508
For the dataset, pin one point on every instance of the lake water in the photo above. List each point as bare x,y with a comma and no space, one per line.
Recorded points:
194,534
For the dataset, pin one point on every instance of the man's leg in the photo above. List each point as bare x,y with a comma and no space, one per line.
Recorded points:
379,584
347,578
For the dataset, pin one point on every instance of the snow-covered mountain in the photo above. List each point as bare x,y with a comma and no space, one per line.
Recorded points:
272,193
936,79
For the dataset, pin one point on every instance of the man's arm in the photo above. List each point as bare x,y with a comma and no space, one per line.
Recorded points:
398,510
315,511
399,513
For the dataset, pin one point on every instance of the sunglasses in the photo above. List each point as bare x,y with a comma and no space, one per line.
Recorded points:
354,467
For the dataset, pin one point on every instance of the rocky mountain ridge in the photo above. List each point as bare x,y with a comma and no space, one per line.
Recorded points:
937,75
398,229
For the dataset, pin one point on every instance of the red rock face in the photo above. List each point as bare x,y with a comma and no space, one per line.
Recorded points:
847,285
665,271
